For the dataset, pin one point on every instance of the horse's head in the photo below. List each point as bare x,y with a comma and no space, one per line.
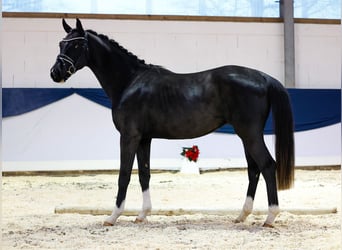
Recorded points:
73,53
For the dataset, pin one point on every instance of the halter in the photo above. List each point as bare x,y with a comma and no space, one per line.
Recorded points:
64,58
67,59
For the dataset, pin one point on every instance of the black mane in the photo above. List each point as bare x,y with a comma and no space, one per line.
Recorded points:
116,45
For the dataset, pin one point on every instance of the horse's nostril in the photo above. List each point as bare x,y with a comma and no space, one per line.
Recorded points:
52,74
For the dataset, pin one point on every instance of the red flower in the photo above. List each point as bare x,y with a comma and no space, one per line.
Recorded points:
191,153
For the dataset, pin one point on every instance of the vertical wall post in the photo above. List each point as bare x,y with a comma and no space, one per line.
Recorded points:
286,12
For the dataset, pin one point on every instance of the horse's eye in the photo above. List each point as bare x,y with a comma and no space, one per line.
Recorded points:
76,46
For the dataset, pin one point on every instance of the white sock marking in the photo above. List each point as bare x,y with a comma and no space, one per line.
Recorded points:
273,211
117,211
147,205
246,210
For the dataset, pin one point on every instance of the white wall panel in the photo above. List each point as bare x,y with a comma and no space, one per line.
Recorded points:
180,46
318,56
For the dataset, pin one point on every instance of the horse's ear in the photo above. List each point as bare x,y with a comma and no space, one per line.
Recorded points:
66,26
79,26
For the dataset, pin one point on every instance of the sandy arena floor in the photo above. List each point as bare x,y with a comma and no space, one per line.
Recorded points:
29,221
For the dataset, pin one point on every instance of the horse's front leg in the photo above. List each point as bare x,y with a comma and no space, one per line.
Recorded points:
143,157
128,148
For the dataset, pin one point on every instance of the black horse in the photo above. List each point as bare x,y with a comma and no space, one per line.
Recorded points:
149,101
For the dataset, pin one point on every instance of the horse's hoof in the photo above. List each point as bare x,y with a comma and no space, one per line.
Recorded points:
268,225
237,221
107,224
140,221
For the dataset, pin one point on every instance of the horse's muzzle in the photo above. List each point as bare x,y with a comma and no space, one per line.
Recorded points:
56,75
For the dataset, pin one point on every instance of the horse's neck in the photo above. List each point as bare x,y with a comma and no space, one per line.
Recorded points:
113,73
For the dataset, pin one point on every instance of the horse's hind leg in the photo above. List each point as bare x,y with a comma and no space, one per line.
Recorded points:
143,157
253,176
258,151
269,174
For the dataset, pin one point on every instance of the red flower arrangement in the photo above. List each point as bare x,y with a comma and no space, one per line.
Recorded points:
191,153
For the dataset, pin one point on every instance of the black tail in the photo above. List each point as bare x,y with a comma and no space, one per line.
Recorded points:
283,129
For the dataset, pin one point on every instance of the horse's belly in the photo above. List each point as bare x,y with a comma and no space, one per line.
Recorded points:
185,128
